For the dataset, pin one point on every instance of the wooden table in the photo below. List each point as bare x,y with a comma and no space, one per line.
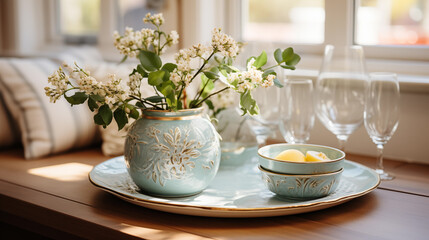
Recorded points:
53,198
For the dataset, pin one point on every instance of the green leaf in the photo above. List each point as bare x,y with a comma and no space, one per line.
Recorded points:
166,76
154,99
166,87
120,118
278,55
123,59
141,70
294,60
232,69
77,98
261,60
209,104
268,72
134,113
211,75
214,70
99,120
248,60
92,104
248,104
149,60
287,54
278,83
140,105
208,83
192,103
169,67
96,97
156,78
224,72
288,67
106,114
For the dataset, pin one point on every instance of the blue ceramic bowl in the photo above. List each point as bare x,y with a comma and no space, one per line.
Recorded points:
269,152
301,186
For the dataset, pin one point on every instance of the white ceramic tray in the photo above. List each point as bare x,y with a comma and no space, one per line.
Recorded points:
235,192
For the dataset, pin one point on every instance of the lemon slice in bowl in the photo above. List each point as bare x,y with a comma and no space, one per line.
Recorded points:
291,155
313,156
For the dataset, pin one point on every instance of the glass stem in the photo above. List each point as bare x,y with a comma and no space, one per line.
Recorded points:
342,139
380,148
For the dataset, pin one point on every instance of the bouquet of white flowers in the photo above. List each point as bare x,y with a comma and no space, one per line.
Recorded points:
121,100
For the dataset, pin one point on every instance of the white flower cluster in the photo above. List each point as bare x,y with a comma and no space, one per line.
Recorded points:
132,41
172,38
250,79
113,91
60,82
183,72
134,83
116,92
225,44
146,39
156,19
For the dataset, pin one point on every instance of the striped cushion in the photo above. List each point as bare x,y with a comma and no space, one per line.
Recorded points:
46,128
9,133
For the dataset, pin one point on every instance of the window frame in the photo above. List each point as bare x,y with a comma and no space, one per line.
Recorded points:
410,62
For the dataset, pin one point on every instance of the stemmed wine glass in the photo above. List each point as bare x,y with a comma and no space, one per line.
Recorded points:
340,91
266,122
296,110
382,113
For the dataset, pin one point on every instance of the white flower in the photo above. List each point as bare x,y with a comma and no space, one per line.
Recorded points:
133,41
134,83
250,79
178,76
225,44
60,81
156,19
269,81
173,38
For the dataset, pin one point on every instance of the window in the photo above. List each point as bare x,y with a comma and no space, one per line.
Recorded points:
133,11
284,21
394,33
381,22
79,20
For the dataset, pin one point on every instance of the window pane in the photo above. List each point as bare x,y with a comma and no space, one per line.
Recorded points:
133,11
392,22
285,21
79,17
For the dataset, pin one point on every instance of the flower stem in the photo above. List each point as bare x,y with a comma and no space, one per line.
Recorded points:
202,66
145,102
223,89
200,92
270,67
184,99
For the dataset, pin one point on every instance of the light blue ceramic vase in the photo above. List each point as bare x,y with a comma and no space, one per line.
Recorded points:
172,154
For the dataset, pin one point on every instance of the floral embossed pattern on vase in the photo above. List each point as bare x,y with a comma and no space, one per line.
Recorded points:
172,153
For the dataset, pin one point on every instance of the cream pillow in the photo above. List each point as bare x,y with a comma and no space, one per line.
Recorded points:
46,128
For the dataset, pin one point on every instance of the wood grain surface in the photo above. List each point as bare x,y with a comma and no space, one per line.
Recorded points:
67,206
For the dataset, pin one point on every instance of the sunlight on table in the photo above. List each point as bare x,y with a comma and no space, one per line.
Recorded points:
154,233
63,172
